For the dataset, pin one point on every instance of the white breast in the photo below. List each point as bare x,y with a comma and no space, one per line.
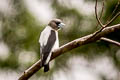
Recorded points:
45,35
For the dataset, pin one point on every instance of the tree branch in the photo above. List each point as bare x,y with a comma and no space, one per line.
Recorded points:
110,41
108,22
69,46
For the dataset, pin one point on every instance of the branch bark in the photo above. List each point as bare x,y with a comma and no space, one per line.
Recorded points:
69,46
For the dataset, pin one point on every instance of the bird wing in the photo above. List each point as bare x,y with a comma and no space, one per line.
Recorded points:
46,49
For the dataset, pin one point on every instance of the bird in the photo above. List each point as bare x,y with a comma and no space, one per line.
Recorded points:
49,41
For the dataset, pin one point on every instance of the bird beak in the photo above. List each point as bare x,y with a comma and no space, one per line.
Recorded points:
61,25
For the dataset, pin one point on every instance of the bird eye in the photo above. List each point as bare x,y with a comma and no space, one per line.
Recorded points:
57,23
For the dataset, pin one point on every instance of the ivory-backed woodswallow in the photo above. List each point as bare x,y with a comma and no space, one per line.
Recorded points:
49,41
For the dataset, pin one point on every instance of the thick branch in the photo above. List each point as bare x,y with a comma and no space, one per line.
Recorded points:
69,46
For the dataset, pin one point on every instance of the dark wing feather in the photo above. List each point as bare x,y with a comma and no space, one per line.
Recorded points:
48,47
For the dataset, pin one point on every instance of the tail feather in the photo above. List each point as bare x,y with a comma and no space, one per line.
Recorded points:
46,67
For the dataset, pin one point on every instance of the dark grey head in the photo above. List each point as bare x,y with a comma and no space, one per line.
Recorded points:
56,24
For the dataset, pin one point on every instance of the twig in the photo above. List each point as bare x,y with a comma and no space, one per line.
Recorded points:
110,41
101,12
98,19
112,19
108,19
103,4
97,15
69,46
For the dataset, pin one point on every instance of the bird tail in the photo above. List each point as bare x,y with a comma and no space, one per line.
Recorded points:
46,67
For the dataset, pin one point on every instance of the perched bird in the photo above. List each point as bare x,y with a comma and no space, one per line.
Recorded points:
49,41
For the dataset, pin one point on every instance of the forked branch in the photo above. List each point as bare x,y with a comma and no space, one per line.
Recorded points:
107,24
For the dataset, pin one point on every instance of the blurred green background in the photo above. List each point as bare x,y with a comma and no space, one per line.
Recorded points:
21,22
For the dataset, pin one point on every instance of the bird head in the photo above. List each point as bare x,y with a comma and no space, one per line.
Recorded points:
56,24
